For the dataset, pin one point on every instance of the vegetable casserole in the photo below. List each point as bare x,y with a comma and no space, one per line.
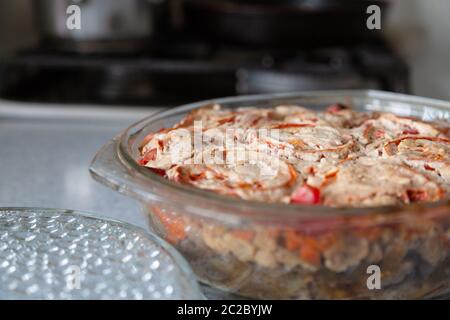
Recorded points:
337,158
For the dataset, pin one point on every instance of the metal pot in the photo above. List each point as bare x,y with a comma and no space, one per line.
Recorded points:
119,25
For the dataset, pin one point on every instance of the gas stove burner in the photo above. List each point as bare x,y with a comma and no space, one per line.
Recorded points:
327,69
194,71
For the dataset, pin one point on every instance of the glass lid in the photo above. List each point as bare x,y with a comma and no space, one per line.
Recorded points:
63,254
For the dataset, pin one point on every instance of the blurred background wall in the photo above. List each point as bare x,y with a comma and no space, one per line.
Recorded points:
420,30
16,25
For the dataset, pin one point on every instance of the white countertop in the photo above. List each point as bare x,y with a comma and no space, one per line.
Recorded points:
45,152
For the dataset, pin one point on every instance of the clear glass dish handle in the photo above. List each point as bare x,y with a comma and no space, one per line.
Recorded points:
109,169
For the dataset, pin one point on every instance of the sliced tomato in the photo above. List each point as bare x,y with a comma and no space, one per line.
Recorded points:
417,195
227,120
160,172
148,156
379,133
306,194
293,125
410,131
336,108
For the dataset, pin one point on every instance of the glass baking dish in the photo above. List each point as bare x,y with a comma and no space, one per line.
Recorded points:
261,250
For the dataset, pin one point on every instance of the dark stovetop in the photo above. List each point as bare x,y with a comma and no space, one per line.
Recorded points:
189,71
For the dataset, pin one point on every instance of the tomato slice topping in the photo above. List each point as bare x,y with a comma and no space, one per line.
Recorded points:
379,133
149,156
306,194
336,108
160,172
410,131
417,195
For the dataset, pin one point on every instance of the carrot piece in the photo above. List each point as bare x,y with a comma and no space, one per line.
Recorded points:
293,175
309,248
243,234
310,254
174,226
292,240
326,240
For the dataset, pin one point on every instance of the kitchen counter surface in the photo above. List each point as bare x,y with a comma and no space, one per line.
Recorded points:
45,153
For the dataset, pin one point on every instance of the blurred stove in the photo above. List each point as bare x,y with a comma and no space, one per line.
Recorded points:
181,70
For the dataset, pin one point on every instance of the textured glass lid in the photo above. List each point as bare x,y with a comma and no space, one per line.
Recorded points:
61,254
